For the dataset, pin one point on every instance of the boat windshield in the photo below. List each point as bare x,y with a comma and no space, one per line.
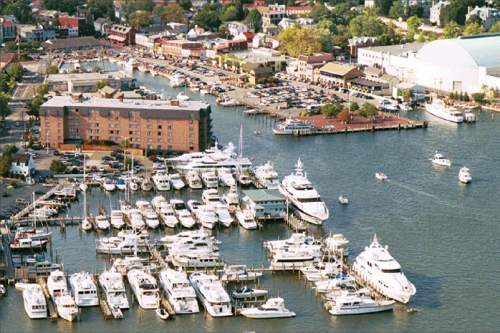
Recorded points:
396,270
306,200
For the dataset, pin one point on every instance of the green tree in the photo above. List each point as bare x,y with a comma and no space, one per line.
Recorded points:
451,30
397,10
4,105
101,8
186,4
171,13
232,12
478,97
10,150
207,18
34,105
5,163
15,71
495,27
414,23
57,166
254,19
42,89
354,106
319,12
473,28
457,10
68,6
4,86
421,37
139,19
368,110
331,109
406,94
366,25
296,40
130,6
19,8
383,6
101,84
52,69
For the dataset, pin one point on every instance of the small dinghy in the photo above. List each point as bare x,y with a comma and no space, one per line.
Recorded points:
162,313
343,200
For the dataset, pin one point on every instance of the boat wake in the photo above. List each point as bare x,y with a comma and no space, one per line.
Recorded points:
412,189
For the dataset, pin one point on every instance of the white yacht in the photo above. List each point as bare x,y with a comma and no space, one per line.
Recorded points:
114,290
211,294
266,176
145,288
383,273
464,175
102,222
353,303
83,289
148,213
128,244
182,213
334,282
236,273
35,304
247,292
108,185
207,216
299,191
177,80
58,291
226,177
136,219
211,198
29,238
182,97
193,206
439,109
210,179
161,180
196,261
66,307
292,126
194,180
231,198
56,284
439,160
273,308
167,215
246,219
117,219
179,291
176,181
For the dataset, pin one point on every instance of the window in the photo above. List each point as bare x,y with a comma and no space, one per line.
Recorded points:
130,132
159,126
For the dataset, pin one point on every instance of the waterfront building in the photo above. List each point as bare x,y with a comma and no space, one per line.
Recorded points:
121,35
335,74
22,165
147,40
87,82
37,33
266,204
488,15
73,44
146,124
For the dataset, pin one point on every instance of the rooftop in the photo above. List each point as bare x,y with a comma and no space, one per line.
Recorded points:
397,50
86,76
72,43
340,69
263,195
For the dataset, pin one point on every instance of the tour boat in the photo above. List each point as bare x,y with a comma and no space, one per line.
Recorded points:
145,288
35,304
439,160
194,180
273,308
383,273
117,219
292,126
381,176
83,289
353,303
246,218
439,109
161,180
464,175
246,292
176,181
211,294
299,191
179,291
113,289
343,200
236,273
102,222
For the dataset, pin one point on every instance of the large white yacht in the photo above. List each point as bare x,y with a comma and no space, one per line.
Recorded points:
299,191
83,289
211,294
266,175
179,291
383,273
35,304
207,216
439,160
210,179
58,291
161,180
439,109
176,181
117,219
464,175
145,288
136,219
193,180
56,284
182,213
113,288
292,126
345,302
273,308
147,211
120,245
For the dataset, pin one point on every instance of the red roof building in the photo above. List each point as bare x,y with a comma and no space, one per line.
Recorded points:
71,21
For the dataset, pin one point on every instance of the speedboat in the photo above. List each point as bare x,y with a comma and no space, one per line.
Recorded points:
145,288
352,303
121,184
113,289
177,80
236,273
464,175
273,308
439,160
303,196
211,294
83,289
246,219
343,200
246,292
193,180
161,180
117,219
108,185
381,176
102,222
179,291
383,273
176,181
35,304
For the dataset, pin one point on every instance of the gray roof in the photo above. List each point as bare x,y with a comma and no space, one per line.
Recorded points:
263,195
87,76
397,50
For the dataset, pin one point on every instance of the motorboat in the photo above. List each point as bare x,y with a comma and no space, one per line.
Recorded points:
145,288
266,176
320,271
58,291
246,292
299,191
167,215
176,181
246,218
210,179
196,261
193,180
148,213
179,291
182,213
293,126
291,258
343,200
86,225
108,185
237,273
117,219
182,97
177,80
136,219
121,184
133,184
211,294
231,198
56,283
193,205
157,201
146,185
381,176
383,273
83,289
273,308
3,290
124,264
113,288
35,304
340,280
211,198
336,245
353,303
102,222
226,177
439,109
464,175
207,216
439,160
128,244
66,307
161,180
29,238
243,178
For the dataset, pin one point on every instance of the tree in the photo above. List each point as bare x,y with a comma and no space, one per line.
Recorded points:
296,40
406,94
232,12
4,105
57,166
451,30
15,71
383,6
186,4
366,25
354,106
473,28
171,13
495,27
5,163
34,105
52,69
478,97
139,19
331,109
397,10
254,19
101,84
4,86
368,110
19,8
130,6
42,89
68,6
319,12
457,10
421,37
414,23
101,8
207,18
10,150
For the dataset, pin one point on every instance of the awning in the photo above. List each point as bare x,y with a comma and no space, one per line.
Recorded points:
117,38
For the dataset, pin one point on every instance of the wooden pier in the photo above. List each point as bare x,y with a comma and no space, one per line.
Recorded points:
295,223
51,307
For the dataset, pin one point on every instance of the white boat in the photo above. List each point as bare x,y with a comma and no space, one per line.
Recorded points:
133,185
194,180
113,287
183,215
148,213
207,216
381,176
246,292
145,288
299,191
236,273
193,205
83,289
182,97
231,198
211,294
320,271
167,215
136,219
291,258
226,177
383,273
58,291
29,238
246,219
117,219
196,261
179,291
266,176
108,185
210,179
161,180
339,280
162,313
353,303
127,244
3,291
121,184
146,185
439,109
293,126
273,308
464,175
176,181
66,307
343,200
177,80
439,160
102,222
35,304
211,198
86,225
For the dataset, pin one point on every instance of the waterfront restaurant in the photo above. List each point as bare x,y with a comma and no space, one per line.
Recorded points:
267,204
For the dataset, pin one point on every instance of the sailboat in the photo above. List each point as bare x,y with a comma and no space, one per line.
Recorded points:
86,224
242,175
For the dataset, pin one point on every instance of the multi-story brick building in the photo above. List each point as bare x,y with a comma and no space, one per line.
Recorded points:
179,48
121,35
146,124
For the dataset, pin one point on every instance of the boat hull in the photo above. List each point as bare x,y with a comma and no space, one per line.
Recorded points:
358,311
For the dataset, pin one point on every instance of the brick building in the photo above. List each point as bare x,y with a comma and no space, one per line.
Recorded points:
121,35
151,124
179,48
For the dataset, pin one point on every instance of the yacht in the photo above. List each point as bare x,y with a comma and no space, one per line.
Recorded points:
211,198
383,273
439,109
211,294
127,244
194,180
236,273
179,291
176,181
157,201
243,177
292,126
161,180
266,176
439,160
29,238
207,216
148,213
136,219
246,219
58,291
102,222
353,303
35,304
146,185
66,307
334,282
226,177
182,213
177,80
343,200
291,258
210,179
299,191
83,289
113,288
231,198
193,205
117,219
381,176
145,288
182,97
196,261
246,292
167,215
273,308
464,175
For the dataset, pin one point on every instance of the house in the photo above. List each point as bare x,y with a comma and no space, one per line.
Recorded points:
296,11
267,204
8,30
227,46
435,12
37,33
147,40
102,25
335,74
272,14
257,73
248,36
121,35
305,66
236,28
488,15
198,33
290,22
22,165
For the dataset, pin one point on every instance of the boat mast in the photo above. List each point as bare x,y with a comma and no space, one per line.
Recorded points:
84,191
34,211
241,141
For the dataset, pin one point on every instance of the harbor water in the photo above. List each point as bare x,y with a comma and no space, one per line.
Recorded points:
444,234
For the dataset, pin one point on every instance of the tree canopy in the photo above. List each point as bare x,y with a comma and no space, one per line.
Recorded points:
4,105
296,40
171,13
19,8
207,18
101,8
366,25
331,109
457,10
368,110
67,6
451,30
139,19
254,19
232,12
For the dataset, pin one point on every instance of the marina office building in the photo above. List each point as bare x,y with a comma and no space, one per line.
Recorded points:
146,124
